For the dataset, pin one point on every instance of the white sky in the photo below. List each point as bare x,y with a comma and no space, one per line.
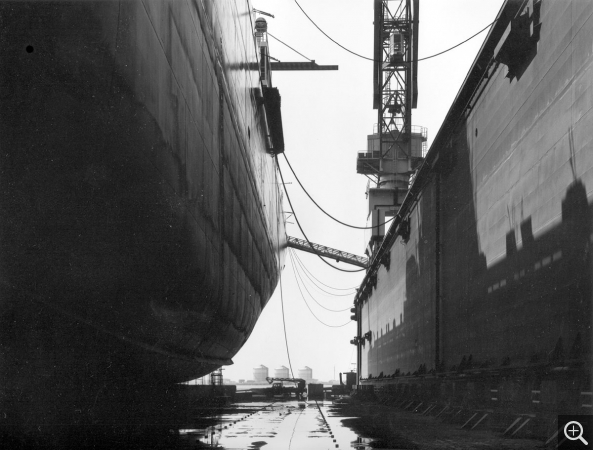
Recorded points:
327,116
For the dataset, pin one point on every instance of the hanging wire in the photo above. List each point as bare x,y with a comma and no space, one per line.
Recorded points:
282,304
323,210
305,272
331,287
296,271
283,43
372,59
309,308
457,45
326,35
301,228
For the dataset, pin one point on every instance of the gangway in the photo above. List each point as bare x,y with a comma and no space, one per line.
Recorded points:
322,250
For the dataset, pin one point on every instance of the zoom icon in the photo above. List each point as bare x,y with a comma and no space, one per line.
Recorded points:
574,432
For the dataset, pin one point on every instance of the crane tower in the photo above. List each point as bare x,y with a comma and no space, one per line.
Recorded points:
396,148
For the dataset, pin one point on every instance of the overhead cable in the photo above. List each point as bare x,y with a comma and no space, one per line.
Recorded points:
323,210
312,278
318,280
301,228
311,311
457,45
372,59
296,271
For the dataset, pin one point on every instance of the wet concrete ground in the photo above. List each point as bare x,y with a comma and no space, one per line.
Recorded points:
394,428
294,425
281,425
271,425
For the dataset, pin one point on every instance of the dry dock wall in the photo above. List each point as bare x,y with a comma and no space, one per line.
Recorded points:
400,314
497,273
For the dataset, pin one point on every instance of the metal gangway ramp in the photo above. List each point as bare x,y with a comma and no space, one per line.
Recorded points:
322,250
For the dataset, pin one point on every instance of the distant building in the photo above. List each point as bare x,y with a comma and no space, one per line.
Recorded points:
260,373
306,373
281,372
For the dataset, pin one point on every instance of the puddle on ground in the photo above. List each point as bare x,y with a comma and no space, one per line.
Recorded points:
288,425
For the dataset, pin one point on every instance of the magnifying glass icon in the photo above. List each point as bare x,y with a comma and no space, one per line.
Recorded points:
575,432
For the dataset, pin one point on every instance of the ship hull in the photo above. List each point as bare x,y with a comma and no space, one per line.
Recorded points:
488,304
141,231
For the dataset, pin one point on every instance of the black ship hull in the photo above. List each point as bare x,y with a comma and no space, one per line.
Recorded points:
141,232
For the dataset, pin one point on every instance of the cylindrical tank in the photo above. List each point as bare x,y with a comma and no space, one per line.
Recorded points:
281,372
306,373
260,373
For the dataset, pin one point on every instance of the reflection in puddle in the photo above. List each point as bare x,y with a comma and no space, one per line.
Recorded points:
288,425
363,443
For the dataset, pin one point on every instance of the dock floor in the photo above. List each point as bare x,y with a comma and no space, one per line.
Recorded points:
294,425
279,425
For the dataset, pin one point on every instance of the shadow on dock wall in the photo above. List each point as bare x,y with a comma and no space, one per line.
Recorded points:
528,313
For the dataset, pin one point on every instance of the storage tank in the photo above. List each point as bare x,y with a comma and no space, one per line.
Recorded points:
306,373
260,373
281,372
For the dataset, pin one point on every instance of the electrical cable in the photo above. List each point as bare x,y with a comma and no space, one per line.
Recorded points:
457,45
283,319
308,292
309,308
331,287
326,35
323,210
284,43
294,266
301,228
304,270
372,59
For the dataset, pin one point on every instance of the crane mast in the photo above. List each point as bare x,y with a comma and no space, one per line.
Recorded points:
396,148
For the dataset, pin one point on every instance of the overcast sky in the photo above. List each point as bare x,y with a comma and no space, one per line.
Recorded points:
326,118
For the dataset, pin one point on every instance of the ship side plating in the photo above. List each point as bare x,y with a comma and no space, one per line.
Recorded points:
141,232
480,294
